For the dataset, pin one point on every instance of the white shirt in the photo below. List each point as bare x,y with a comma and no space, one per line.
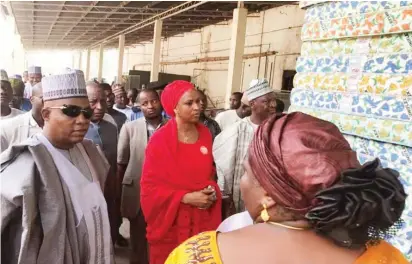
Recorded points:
127,111
33,126
255,127
236,221
14,112
227,118
28,90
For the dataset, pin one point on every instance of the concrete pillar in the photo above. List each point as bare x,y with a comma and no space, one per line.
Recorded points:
87,73
80,60
154,71
120,59
100,69
73,61
237,45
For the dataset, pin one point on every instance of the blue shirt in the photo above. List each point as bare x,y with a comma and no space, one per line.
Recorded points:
137,113
93,134
25,105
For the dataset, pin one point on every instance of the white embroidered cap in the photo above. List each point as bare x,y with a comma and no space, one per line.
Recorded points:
244,100
70,70
257,88
34,70
4,76
63,86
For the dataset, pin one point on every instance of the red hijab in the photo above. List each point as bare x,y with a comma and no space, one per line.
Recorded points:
163,185
172,94
294,156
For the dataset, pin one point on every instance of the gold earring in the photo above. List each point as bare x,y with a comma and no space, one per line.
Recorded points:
264,214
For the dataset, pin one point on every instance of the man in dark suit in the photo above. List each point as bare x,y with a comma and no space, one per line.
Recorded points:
105,135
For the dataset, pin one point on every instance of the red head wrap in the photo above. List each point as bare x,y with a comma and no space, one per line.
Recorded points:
295,156
172,94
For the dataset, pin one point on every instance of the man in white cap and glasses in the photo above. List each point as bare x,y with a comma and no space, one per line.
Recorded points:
52,205
35,76
230,147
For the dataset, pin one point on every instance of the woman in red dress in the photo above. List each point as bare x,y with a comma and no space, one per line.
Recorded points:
179,198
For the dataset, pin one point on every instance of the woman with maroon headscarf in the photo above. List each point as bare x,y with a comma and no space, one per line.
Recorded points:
311,201
179,198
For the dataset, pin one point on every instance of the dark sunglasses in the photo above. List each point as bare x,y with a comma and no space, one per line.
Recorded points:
75,111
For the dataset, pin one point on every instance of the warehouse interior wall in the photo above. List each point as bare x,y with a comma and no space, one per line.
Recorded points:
274,30
272,46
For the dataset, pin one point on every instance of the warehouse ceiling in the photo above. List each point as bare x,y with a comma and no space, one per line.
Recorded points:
84,24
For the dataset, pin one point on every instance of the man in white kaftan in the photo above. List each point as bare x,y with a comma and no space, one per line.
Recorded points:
35,76
6,112
229,117
231,146
19,128
52,206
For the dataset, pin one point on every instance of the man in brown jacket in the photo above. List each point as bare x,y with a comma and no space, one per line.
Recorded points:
133,140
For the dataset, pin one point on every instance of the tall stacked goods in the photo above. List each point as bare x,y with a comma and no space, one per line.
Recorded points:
355,70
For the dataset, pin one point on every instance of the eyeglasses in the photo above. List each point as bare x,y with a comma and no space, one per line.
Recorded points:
75,111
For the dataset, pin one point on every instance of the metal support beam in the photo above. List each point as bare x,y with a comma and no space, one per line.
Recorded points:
237,46
170,29
100,69
83,22
32,26
154,71
200,13
94,24
88,65
171,12
122,4
54,23
90,7
120,59
84,9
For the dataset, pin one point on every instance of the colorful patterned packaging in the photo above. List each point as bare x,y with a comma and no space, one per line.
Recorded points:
375,106
390,131
397,43
332,9
355,71
394,63
395,154
380,84
360,25
305,4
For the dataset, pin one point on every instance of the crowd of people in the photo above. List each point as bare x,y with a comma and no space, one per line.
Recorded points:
77,157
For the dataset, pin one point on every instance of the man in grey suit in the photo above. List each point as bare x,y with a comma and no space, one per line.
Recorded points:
104,134
133,140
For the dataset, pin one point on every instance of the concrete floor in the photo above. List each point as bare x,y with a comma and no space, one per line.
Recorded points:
122,254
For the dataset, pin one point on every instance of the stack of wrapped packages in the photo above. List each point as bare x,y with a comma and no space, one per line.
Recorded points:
355,70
